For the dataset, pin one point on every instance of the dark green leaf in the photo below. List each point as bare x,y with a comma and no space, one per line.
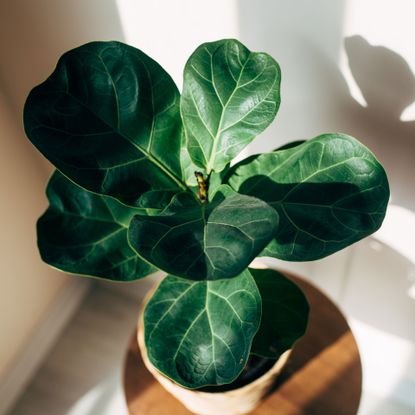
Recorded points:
212,241
200,333
284,313
329,192
85,233
230,95
108,118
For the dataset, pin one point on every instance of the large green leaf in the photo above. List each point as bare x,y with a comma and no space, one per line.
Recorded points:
199,333
284,313
329,192
85,233
230,95
211,241
108,118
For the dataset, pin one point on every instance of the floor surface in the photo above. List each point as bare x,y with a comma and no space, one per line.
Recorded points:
82,375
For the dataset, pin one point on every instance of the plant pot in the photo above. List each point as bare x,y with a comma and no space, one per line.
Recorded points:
238,401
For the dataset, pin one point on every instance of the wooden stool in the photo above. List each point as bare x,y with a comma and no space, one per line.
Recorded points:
322,377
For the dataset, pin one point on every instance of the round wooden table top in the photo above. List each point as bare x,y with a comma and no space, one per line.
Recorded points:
322,377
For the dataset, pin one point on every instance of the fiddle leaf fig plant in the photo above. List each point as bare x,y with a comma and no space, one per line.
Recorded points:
144,181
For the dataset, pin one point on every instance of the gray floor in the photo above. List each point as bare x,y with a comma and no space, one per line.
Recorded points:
82,375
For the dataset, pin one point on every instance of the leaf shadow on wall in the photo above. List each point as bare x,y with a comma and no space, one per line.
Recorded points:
388,86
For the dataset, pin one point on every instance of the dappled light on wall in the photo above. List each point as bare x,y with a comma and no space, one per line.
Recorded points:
169,31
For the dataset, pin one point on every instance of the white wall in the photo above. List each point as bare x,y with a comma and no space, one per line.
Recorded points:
169,31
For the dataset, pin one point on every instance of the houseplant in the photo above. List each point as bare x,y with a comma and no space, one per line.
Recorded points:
144,182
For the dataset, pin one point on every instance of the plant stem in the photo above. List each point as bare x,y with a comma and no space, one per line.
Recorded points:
203,185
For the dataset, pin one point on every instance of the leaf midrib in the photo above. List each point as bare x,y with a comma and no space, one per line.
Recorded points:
224,106
205,309
218,131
